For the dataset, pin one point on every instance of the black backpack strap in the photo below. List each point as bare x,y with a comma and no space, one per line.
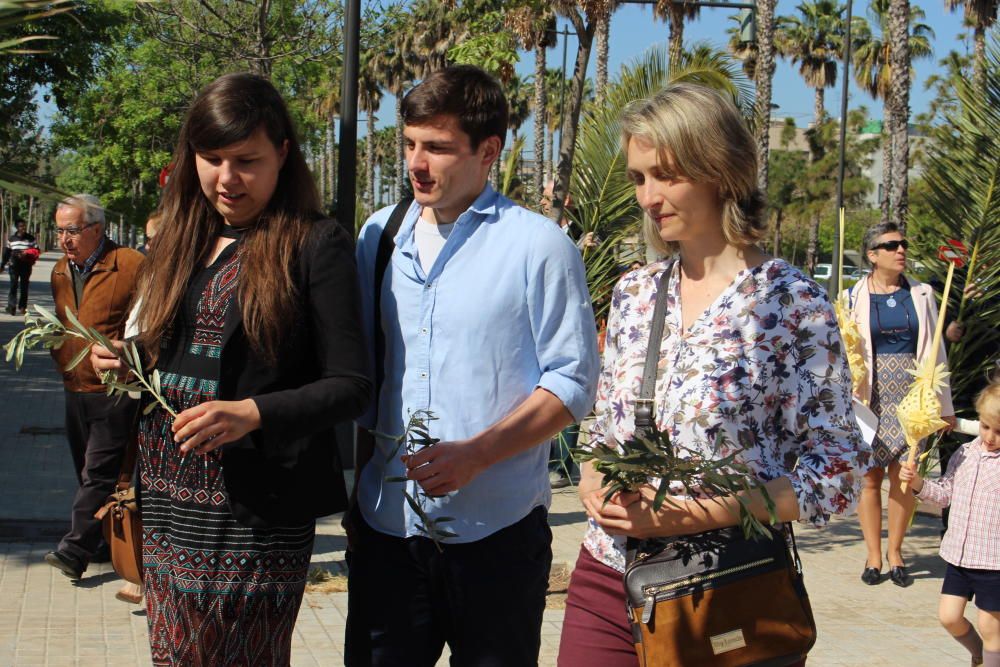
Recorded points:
386,246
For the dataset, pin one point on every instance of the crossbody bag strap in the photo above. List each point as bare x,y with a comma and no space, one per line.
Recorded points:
131,452
644,405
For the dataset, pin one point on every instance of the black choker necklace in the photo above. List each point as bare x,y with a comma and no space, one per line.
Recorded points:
230,232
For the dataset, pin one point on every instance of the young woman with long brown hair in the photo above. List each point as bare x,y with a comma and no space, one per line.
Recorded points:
249,311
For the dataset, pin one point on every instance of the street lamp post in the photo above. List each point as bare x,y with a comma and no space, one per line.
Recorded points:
837,259
348,162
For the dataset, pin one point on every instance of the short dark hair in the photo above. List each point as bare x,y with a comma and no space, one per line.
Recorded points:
872,233
466,92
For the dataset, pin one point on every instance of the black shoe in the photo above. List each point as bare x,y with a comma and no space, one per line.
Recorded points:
871,575
68,564
10,310
102,555
899,576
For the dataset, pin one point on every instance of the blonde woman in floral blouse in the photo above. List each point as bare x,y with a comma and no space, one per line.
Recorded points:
750,352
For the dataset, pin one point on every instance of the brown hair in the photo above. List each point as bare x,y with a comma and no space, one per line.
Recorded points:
227,111
463,91
708,141
988,401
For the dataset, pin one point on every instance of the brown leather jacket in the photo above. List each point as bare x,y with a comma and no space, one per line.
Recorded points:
107,296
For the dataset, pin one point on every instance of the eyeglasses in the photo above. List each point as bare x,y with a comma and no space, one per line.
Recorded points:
73,232
892,246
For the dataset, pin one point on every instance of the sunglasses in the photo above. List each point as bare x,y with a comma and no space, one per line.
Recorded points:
892,246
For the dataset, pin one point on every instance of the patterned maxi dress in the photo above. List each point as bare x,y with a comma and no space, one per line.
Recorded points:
217,592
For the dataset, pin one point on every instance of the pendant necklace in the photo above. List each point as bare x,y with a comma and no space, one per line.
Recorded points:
891,301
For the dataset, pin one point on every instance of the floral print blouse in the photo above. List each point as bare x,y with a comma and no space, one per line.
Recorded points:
762,370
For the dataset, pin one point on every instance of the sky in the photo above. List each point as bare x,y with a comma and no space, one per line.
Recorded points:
633,30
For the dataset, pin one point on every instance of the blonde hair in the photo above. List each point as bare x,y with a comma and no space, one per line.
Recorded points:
704,138
988,402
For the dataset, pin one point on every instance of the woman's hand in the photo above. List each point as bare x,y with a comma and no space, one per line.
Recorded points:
632,514
215,423
103,359
951,422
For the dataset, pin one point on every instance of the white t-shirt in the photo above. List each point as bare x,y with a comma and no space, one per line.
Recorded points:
430,238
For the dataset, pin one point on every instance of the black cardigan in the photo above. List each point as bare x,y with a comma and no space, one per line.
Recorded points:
288,472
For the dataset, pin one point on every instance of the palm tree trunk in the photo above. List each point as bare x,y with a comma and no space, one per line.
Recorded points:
812,250
979,58
370,164
886,171
550,154
400,155
601,38
776,249
899,89
331,158
676,34
574,102
538,179
763,78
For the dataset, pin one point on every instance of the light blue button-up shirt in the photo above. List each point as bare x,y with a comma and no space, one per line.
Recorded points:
504,310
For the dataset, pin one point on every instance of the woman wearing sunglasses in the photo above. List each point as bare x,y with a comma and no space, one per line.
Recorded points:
896,317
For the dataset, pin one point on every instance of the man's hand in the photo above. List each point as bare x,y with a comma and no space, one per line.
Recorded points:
215,423
446,466
955,331
103,359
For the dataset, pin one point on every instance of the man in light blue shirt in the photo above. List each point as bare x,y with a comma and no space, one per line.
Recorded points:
487,324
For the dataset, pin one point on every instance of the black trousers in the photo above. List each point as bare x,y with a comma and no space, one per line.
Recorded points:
19,278
485,599
98,427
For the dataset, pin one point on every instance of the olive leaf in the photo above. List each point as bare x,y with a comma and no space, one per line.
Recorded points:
650,455
43,328
416,436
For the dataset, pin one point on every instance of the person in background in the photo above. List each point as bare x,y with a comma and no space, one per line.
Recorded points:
971,545
95,280
20,253
152,227
896,318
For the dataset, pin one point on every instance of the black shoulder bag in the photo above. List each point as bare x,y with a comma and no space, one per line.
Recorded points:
714,598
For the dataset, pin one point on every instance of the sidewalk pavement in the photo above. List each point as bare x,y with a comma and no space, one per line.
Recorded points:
47,620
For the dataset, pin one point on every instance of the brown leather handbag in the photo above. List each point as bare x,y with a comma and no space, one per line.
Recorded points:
715,598
122,523
720,599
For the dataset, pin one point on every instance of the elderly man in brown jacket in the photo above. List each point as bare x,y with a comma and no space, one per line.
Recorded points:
96,281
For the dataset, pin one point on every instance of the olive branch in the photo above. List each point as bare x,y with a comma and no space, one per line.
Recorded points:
46,330
649,454
416,436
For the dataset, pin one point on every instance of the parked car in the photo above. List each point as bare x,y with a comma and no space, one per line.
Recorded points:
822,272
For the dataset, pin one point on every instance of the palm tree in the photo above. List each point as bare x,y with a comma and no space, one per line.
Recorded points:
601,35
534,25
897,109
396,66
960,198
369,100
675,13
813,39
981,15
582,15
873,73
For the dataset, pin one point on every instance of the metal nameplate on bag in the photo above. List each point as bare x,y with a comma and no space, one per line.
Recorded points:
727,641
